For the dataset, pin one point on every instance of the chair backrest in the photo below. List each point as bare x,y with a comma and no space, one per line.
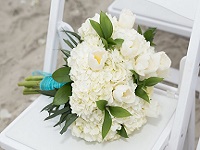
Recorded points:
187,87
190,72
187,8
55,35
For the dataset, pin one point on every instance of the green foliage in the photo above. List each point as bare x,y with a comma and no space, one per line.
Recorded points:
74,34
122,132
101,104
153,81
106,124
116,111
105,43
64,113
58,112
97,27
139,30
69,120
66,52
68,43
106,25
135,77
142,93
50,93
140,90
61,75
148,34
62,95
73,39
119,112
105,29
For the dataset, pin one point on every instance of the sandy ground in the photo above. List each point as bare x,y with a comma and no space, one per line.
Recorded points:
23,29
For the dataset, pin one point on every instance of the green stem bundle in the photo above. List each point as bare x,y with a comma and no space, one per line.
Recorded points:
31,84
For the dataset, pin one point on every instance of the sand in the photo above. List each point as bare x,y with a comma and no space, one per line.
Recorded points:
23,28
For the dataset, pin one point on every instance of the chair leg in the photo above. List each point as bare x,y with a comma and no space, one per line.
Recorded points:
190,137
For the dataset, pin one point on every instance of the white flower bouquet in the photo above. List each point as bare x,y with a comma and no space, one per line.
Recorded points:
104,91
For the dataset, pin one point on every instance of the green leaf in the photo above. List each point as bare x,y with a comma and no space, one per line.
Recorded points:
97,28
101,104
68,43
48,107
61,75
149,35
58,112
119,42
139,30
71,39
106,124
62,95
153,81
65,52
119,112
50,93
111,41
122,132
63,118
135,77
74,34
106,25
69,120
105,43
142,94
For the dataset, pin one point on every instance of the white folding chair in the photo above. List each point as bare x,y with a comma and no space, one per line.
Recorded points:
198,145
160,16
29,131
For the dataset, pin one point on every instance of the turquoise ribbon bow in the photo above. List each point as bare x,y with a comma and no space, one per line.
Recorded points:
48,83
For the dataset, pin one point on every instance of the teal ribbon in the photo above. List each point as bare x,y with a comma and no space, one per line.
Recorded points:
48,83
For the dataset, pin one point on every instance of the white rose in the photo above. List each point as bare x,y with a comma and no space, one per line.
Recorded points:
147,63
152,109
124,93
134,46
97,59
126,19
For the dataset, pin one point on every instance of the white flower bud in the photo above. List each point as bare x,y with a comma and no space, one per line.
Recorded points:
124,93
126,19
165,62
97,59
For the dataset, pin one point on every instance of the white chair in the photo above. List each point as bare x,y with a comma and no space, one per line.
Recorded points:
198,145
165,16
30,132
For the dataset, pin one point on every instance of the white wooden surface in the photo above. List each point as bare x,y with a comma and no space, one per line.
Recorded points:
186,8
52,44
198,146
30,132
189,79
167,20
153,15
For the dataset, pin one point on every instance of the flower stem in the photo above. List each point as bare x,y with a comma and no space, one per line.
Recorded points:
31,91
34,78
29,83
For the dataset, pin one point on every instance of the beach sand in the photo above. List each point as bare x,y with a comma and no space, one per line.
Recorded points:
22,43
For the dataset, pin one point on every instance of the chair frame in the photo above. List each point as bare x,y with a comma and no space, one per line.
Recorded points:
154,21
178,123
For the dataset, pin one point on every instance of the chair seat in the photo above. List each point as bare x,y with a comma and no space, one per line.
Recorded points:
150,14
29,131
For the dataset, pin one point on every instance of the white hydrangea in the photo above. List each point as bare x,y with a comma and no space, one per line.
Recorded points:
100,74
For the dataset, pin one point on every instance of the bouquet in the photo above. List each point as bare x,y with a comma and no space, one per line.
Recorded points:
104,90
